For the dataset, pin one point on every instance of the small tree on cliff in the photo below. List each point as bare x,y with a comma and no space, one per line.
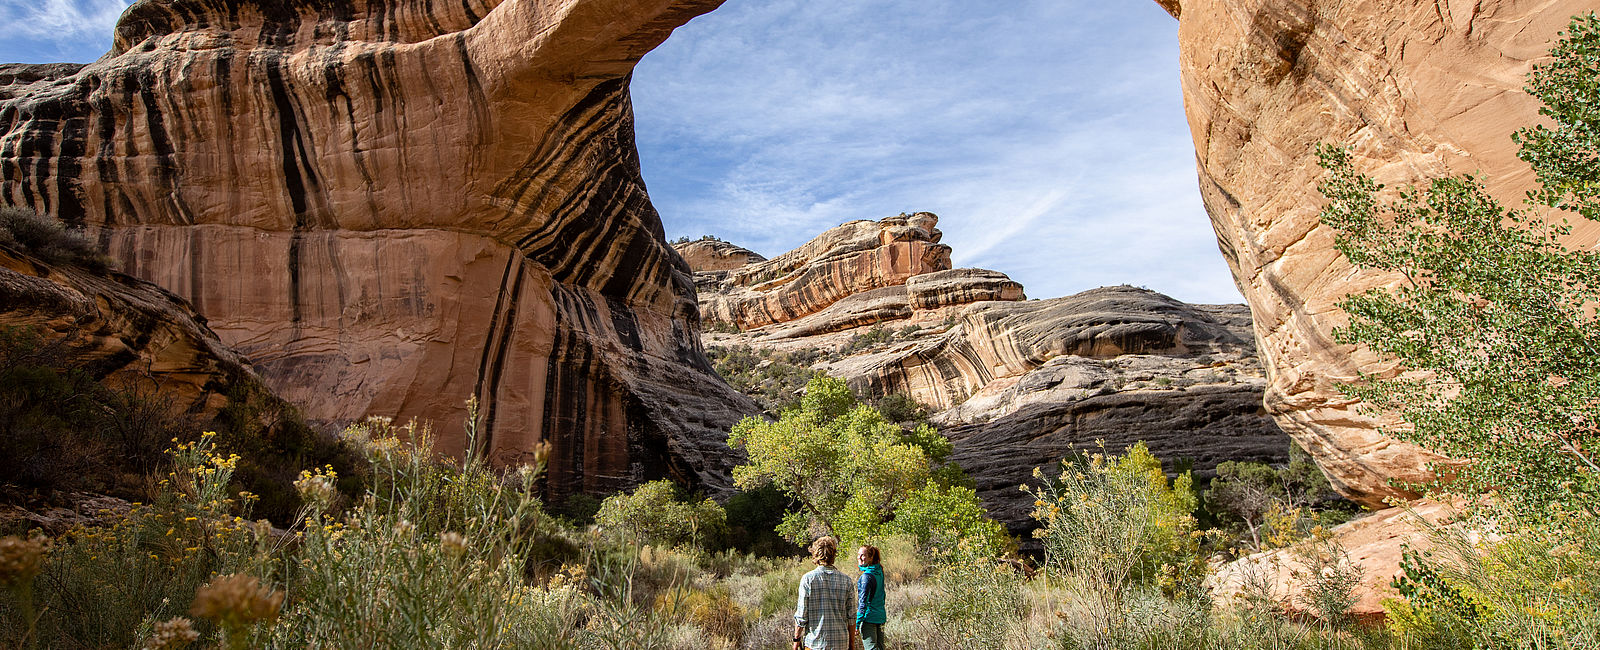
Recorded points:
1497,315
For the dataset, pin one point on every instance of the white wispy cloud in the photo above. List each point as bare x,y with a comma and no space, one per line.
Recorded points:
39,31
63,20
1047,134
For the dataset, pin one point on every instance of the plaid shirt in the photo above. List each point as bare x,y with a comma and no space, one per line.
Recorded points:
827,609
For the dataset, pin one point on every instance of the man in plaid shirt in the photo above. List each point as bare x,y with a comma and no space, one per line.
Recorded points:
825,613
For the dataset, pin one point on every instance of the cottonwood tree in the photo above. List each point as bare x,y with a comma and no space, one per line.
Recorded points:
1494,318
850,471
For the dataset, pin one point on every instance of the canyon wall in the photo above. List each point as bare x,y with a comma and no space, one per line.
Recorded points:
1014,383
393,205
1418,89
845,260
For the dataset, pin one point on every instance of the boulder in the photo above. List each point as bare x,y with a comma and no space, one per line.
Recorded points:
1374,544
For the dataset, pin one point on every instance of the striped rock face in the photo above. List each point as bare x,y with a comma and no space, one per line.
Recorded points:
393,205
852,258
1419,89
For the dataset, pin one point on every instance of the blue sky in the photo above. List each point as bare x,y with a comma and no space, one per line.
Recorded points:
1048,135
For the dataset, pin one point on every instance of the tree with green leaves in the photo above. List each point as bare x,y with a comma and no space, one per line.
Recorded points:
849,470
1256,494
1494,319
654,513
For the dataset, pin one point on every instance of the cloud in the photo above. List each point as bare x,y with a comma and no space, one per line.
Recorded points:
1049,136
62,20
57,30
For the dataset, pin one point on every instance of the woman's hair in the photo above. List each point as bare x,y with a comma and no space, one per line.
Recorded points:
872,555
824,550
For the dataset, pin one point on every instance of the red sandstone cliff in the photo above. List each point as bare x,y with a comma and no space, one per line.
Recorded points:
392,205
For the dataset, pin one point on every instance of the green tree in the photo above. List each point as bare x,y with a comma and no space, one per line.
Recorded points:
840,461
653,513
946,515
1494,323
1256,494
1493,311
856,476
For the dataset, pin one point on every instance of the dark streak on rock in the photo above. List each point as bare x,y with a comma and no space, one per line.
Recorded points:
502,329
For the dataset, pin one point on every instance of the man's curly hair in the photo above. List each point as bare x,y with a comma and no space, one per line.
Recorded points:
824,550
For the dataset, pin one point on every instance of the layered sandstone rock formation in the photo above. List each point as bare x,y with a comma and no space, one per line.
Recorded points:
1419,89
1017,384
715,255
852,258
393,205
121,330
1020,385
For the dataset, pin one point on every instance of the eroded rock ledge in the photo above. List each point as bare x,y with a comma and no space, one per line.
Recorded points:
1016,383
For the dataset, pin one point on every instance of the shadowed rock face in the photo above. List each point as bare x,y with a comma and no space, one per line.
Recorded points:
122,330
1419,89
392,205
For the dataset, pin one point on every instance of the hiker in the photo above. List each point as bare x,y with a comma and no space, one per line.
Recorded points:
870,614
826,603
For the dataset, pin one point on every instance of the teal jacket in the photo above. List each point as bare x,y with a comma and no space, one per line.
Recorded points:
869,596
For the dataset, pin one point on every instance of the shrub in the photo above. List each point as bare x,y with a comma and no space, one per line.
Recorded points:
1114,522
773,379
100,583
1533,585
655,514
712,611
976,602
875,336
50,240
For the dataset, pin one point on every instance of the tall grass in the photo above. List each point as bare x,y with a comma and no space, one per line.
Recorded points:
458,554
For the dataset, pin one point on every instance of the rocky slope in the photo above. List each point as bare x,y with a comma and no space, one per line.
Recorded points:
121,330
1015,383
393,205
1419,89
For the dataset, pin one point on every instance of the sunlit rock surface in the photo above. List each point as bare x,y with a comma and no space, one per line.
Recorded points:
715,255
1419,89
393,205
849,259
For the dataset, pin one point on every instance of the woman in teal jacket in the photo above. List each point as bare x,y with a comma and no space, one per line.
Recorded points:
870,614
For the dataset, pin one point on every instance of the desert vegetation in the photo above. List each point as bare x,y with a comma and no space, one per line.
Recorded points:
439,552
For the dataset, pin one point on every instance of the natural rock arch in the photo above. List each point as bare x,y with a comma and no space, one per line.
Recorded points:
443,199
